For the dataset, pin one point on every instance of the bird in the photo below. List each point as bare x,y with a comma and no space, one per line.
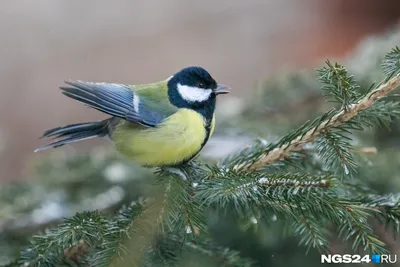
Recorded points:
161,124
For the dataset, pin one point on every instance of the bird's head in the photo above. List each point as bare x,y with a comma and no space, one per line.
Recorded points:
193,87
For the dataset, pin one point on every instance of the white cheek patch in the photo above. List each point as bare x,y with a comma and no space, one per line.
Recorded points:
193,94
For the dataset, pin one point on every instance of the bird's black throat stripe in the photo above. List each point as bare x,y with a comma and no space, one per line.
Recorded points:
207,112
208,133
207,127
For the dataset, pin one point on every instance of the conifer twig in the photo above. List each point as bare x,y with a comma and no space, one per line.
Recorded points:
282,151
220,255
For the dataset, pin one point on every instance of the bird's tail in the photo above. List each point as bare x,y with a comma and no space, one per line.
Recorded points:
74,133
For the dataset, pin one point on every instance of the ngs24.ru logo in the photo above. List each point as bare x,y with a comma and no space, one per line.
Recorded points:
355,258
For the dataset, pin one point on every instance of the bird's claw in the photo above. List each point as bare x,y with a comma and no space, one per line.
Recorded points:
175,171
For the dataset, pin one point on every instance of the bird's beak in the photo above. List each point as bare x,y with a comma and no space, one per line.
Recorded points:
222,89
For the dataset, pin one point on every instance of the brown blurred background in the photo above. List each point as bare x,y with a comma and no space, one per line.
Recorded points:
239,42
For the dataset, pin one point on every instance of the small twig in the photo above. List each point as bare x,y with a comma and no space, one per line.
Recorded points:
280,152
265,182
211,253
368,150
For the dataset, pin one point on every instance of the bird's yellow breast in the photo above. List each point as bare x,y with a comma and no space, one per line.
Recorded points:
176,139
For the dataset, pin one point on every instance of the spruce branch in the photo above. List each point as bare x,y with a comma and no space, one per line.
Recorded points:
356,227
129,238
382,114
391,64
311,131
338,85
115,244
311,234
386,208
244,190
184,214
172,209
335,150
204,246
311,202
52,248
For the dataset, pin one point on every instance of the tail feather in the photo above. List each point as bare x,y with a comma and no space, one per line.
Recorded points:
74,133
72,129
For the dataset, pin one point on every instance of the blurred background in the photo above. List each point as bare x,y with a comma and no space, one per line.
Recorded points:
266,50
240,42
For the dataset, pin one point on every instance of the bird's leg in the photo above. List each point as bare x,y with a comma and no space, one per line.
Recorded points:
180,169
176,171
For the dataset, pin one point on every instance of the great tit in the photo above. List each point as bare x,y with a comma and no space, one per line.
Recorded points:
166,123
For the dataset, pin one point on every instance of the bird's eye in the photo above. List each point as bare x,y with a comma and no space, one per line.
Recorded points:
201,85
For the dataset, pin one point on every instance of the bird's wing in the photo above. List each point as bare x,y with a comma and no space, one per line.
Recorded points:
123,101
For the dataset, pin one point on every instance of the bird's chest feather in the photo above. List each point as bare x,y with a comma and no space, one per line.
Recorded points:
175,140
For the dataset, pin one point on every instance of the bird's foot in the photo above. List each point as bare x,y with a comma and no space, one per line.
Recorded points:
175,171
